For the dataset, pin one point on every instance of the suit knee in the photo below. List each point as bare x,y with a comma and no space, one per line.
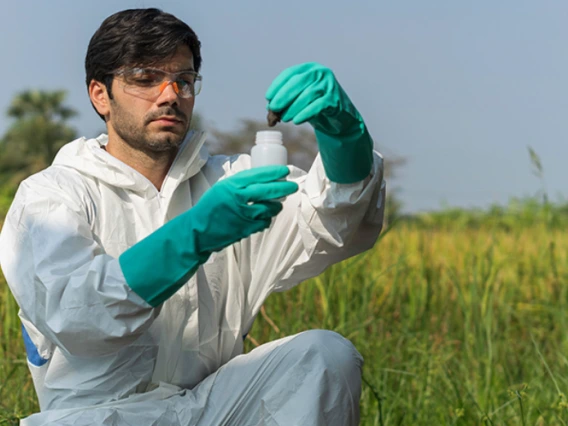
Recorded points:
334,353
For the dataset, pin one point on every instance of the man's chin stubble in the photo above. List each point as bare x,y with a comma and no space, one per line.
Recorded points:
171,142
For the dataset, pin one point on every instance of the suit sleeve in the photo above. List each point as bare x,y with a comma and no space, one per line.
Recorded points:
72,292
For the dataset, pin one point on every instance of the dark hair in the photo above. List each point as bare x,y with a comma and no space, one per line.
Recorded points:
136,37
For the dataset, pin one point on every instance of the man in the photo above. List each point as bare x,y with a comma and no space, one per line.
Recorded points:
139,262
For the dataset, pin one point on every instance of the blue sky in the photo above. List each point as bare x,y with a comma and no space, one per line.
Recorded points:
460,89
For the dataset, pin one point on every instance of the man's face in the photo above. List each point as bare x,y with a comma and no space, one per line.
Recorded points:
153,125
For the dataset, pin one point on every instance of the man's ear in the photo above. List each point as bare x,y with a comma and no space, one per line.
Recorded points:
99,98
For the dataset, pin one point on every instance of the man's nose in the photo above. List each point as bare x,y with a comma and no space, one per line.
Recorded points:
168,92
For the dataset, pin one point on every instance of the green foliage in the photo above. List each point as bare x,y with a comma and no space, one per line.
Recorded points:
457,326
6,196
524,213
38,131
393,205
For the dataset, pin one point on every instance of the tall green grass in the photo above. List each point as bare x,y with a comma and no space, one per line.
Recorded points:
458,325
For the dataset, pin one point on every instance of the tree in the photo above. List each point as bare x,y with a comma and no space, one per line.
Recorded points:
38,131
394,205
196,121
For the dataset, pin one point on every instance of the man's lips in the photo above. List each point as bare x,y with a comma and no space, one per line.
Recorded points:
168,120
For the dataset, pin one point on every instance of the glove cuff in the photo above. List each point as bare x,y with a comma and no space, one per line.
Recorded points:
160,264
347,158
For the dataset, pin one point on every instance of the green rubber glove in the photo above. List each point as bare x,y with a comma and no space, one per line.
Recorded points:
232,209
309,92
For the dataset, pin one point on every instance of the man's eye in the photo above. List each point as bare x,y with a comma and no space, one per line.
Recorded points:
185,82
146,78
188,78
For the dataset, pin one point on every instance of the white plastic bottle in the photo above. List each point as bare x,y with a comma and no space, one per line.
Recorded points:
268,150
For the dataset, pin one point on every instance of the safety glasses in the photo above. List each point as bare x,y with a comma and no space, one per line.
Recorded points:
149,83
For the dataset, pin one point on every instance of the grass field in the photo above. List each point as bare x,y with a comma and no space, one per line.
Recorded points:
459,325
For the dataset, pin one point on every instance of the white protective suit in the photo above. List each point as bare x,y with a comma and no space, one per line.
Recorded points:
99,354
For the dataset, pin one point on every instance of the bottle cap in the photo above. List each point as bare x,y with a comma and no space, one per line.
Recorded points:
269,136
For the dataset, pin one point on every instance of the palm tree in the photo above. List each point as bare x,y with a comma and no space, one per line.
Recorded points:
38,131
